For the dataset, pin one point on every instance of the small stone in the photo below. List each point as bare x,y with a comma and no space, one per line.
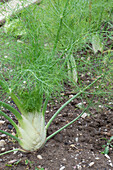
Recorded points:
84,102
79,105
84,115
100,106
39,157
63,167
47,111
20,155
3,136
107,156
2,143
64,159
12,161
3,149
76,139
97,158
74,167
72,145
111,164
91,164
110,103
70,96
1,122
15,151
13,134
79,167
10,127
109,160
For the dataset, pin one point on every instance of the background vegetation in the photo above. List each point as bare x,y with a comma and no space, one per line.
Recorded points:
40,45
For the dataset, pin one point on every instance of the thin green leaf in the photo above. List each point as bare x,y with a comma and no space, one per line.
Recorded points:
106,151
17,102
11,109
10,120
111,139
45,105
8,134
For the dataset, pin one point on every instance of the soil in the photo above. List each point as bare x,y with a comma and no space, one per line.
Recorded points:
78,147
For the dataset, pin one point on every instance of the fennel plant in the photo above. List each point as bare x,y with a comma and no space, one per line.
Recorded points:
30,75
31,129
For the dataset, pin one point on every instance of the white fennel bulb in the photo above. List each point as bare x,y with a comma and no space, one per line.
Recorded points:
31,131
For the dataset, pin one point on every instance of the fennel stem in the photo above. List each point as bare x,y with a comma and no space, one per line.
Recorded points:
11,109
54,116
10,120
53,134
12,136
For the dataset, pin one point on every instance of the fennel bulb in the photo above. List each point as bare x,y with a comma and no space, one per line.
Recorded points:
31,131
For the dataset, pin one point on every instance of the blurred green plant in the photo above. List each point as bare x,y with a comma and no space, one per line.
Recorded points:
14,27
108,145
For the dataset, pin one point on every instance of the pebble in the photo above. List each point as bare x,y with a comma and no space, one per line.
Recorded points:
20,155
76,139
63,167
2,149
107,156
79,167
74,167
84,115
15,151
64,159
71,95
111,164
79,105
3,136
12,161
2,143
72,145
39,157
1,122
109,160
10,127
13,134
91,164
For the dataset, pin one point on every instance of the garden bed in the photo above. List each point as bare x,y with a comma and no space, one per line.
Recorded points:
77,147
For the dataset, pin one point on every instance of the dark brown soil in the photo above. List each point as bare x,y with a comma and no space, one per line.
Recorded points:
77,147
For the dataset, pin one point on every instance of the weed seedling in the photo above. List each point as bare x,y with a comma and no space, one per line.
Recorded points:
107,146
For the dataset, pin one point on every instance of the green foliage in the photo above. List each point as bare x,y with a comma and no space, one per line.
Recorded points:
30,64
107,146
14,27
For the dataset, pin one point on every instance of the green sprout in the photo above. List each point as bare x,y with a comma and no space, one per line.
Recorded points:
107,146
